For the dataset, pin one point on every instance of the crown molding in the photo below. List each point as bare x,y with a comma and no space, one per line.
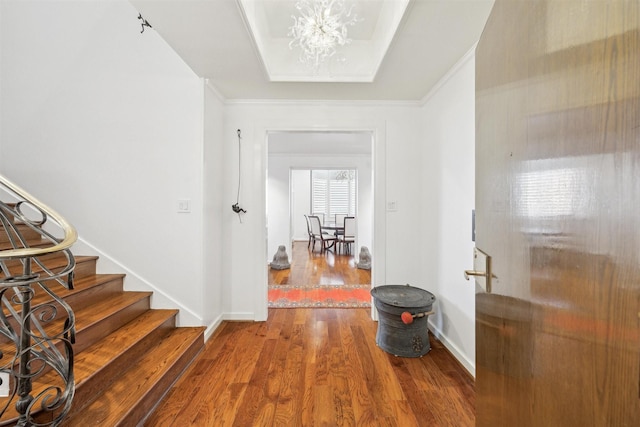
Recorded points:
322,155
471,53
323,102
215,90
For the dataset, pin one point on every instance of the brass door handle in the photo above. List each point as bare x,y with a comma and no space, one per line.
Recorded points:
468,273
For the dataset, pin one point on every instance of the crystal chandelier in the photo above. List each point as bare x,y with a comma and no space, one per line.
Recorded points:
321,27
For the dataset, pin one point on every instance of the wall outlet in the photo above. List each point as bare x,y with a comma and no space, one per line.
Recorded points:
392,206
4,384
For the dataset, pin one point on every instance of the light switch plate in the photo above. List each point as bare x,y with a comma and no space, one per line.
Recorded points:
184,206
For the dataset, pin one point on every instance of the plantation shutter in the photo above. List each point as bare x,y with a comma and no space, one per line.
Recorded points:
339,196
333,192
319,193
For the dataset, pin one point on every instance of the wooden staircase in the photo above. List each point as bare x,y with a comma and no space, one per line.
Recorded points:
127,355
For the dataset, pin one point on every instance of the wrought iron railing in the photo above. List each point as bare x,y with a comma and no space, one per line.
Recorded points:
37,327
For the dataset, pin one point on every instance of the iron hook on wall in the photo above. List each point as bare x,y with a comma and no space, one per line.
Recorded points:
144,23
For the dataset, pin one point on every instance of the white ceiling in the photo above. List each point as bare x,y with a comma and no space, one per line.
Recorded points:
375,24
212,37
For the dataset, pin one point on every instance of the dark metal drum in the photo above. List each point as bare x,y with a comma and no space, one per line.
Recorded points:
403,311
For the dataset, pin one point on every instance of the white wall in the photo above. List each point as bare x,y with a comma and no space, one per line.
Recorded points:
301,202
396,252
105,125
279,198
214,204
449,189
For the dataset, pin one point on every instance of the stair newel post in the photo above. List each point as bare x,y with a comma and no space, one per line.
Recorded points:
24,381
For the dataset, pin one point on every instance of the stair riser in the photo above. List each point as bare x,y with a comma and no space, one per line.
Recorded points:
16,265
85,298
98,330
107,325
78,300
112,322
16,269
27,233
14,324
84,268
8,215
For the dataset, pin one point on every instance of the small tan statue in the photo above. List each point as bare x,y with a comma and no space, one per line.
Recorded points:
280,259
364,259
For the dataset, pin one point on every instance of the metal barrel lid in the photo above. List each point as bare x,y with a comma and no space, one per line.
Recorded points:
405,296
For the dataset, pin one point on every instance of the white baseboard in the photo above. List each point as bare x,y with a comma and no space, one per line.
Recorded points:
240,316
212,327
469,365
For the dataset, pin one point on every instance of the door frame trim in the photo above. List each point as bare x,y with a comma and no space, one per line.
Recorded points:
377,129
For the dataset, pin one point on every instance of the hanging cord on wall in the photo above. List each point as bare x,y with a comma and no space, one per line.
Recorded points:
236,207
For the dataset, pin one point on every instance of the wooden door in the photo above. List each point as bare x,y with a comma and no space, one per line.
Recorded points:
558,210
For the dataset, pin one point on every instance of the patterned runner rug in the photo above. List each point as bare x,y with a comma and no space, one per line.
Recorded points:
319,296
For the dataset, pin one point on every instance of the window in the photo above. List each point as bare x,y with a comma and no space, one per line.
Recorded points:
333,192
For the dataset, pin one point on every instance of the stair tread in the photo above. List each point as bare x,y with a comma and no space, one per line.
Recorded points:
127,390
94,358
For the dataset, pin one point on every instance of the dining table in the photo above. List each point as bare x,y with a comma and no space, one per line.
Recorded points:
332,226
337,228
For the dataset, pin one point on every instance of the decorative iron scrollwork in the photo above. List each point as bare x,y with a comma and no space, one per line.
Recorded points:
37,327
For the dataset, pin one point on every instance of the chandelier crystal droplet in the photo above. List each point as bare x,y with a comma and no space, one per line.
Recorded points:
320,29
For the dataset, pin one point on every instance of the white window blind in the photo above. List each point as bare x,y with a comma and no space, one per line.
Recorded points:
333,192
319,191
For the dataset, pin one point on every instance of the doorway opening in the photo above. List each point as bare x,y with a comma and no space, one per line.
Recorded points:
318,277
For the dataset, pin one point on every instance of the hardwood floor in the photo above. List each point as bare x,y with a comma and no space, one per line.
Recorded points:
305,367
319,268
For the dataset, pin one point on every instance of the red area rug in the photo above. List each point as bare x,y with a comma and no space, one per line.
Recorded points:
319,296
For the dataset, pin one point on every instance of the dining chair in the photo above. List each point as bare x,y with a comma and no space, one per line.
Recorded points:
345,240
319,215
327,240
339,219
306,218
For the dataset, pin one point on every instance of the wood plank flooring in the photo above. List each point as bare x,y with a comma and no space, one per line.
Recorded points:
319,268
308,367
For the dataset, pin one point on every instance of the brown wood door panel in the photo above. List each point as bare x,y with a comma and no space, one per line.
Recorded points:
558,210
